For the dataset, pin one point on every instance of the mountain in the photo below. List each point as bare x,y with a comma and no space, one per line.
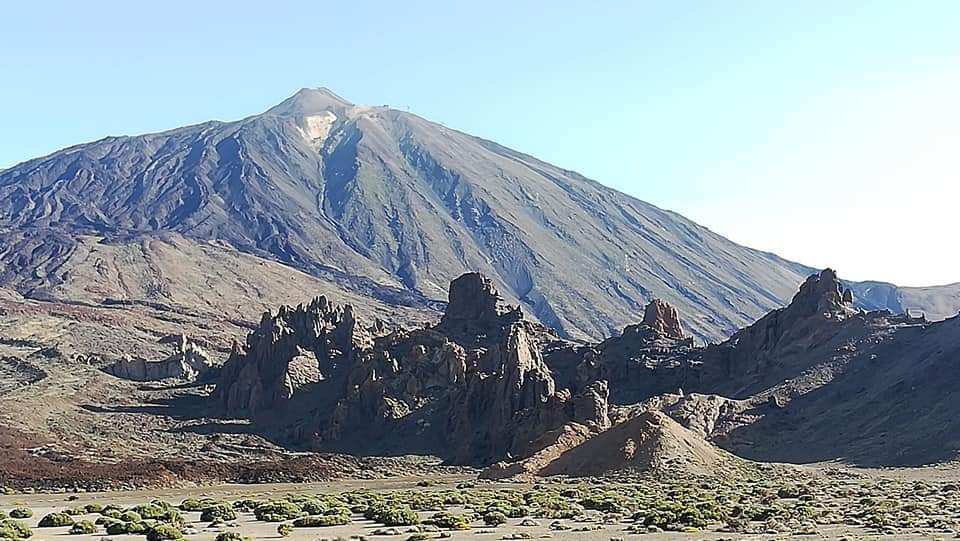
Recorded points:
381,204
387,205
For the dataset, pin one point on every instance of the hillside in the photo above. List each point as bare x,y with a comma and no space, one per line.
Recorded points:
384,204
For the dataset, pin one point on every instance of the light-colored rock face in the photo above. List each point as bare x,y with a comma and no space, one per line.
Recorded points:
315,128
189,362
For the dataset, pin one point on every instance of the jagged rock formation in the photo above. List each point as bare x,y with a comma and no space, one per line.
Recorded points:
472,388
290,351
189,362
778,344
485,385
648,358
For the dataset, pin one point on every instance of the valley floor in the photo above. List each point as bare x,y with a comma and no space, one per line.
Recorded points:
834,503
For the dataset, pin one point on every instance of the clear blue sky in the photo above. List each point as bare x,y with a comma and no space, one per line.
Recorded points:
818,130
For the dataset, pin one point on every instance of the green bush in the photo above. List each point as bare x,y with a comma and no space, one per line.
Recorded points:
172,517
277,511
21,512
112,513
55,520
116,527
14,529
494,518
130,516
164,532
321,521
149,511
247,505
392,515
231,536
191,504
284,530
3,515
220,511
84,527
449,521
92,508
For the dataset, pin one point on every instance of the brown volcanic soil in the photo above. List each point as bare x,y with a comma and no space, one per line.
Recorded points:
26,466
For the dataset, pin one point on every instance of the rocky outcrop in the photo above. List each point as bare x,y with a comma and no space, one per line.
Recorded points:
473,388
663,319
189,362
289,352
777,345
648,358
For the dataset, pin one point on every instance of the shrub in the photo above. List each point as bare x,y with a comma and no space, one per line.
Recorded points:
116,527
21,512
92,508
75,511
494,518
277,511
191,504
84,527
164,532
173,518
129,516
55,520
137,528
220,511
247,505
284,530
449,521
231,536
321,521
149,511
392,515
418,537
14,529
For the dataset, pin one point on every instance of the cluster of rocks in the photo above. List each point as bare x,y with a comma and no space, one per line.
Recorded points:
486,386
188,362
473,388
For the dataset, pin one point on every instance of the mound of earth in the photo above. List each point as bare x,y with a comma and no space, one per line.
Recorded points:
648,442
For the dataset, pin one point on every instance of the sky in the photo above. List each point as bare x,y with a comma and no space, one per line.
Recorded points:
825,132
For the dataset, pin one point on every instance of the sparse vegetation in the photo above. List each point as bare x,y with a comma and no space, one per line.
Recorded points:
219,511
392,514
56,520
83,527
14,529
164,532
278,511
21,512
231,536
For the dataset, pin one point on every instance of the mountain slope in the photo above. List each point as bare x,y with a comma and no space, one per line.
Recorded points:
389,205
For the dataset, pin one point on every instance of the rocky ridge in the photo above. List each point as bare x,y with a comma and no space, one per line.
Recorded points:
486,386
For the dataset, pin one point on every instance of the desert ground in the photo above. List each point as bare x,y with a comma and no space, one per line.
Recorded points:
818,502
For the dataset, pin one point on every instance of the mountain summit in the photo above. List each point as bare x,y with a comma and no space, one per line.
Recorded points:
382,204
